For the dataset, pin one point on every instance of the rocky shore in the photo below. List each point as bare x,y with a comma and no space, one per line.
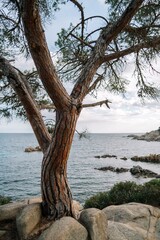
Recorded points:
137,171
23,221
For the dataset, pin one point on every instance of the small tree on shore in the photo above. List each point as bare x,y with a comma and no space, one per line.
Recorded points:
90,59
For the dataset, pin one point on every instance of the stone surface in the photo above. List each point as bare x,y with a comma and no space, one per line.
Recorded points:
66,228
95,222
28,219
133,221
10,210
119,231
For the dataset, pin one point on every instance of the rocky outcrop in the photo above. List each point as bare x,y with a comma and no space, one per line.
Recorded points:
123,158
140,172
153,158
149,136
113,169
133,221
106,156
137,171
33,149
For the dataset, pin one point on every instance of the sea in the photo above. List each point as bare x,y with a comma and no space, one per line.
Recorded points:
20,171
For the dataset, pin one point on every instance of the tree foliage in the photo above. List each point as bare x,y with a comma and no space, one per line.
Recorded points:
140,38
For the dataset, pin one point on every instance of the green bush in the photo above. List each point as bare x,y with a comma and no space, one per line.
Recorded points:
98,201
151,192
125,192
4,200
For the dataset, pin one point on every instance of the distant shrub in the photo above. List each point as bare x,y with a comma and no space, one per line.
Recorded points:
125,192
4,200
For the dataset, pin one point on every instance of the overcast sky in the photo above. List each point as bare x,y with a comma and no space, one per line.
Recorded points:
127,113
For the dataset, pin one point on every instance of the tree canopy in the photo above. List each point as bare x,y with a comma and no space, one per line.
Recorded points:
75,45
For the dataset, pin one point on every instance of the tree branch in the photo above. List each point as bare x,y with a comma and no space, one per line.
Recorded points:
93,86
111,32
22,89
82,17
107,35
106,102
40,53
152,42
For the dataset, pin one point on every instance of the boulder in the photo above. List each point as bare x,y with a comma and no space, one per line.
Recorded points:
10,210
27,220
95,222
133,221
67,228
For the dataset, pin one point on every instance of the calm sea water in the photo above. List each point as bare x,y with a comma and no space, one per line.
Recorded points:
20,171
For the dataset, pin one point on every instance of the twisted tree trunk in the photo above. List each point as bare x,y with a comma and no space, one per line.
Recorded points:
56,194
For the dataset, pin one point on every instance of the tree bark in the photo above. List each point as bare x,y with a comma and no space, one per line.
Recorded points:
56,194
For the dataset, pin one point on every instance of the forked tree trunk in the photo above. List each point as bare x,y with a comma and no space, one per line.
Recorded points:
56,194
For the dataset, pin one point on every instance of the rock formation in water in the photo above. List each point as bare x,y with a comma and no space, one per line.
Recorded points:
149,136
137,171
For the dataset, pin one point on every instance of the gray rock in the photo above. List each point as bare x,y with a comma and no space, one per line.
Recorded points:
123,158
95,222
134,221
149,136
10,210
106,156
153,158
120,231
113,169
140,172
66,228
28,219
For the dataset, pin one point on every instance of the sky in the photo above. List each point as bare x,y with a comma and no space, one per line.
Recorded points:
127,113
